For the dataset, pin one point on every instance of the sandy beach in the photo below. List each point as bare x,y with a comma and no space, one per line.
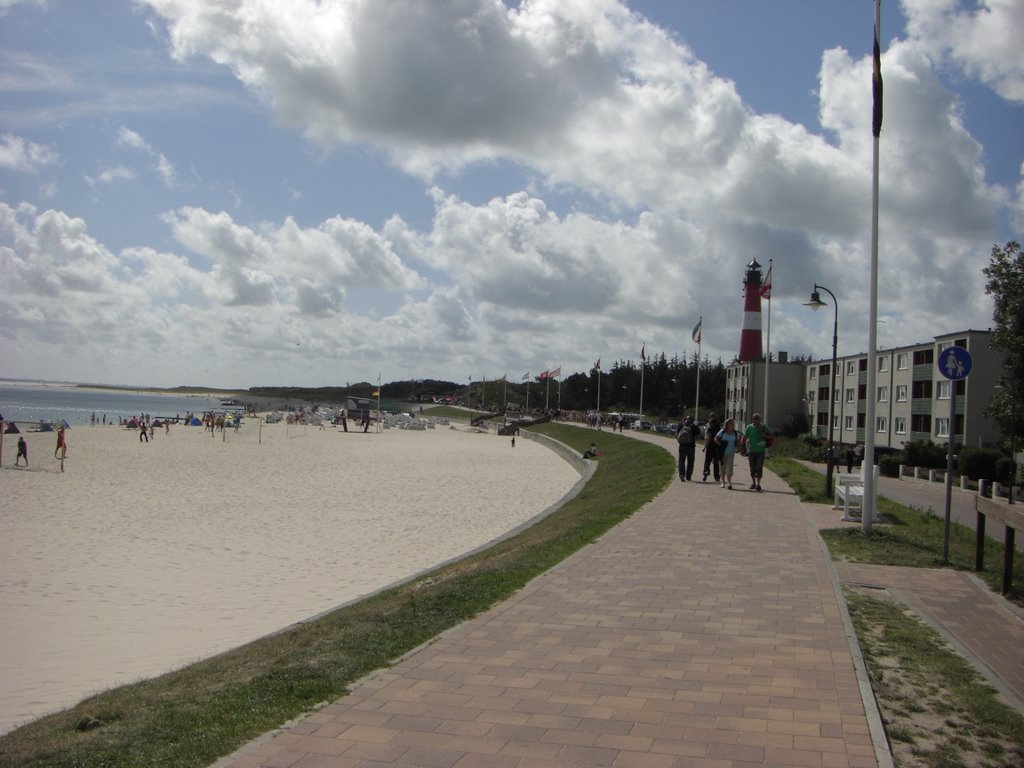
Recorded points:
143,557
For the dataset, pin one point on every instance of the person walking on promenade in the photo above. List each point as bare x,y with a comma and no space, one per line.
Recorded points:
727,440
22,451
712,456
687,449
756,439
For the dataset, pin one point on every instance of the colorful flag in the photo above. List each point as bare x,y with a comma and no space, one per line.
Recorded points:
766,285
376,393
643,356
597,365
543,375
526,376
696,331
555,373
876,87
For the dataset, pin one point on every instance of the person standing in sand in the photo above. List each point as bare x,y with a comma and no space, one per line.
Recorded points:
62,447
22,451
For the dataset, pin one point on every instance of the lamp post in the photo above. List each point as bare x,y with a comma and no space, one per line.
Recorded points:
816,303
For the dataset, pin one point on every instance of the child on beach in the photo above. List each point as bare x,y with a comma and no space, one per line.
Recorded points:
22,451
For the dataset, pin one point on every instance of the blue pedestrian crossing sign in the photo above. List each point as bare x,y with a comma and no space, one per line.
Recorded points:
955,363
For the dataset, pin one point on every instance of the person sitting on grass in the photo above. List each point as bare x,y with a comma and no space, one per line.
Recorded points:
591,452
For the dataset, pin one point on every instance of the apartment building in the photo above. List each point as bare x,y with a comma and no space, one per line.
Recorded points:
912,397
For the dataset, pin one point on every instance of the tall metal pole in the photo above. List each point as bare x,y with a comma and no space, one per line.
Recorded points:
817,303
870,493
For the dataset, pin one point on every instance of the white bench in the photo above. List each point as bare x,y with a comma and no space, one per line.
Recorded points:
849,495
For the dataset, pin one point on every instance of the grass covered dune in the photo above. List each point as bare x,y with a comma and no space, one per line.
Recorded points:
195,715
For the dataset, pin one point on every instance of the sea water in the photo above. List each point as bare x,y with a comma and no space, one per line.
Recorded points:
41,401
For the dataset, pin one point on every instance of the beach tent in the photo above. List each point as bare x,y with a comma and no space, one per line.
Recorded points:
45,426
132,423
195,422
12,429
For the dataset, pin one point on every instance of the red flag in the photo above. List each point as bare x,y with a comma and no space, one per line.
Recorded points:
543,375
555,373
766,285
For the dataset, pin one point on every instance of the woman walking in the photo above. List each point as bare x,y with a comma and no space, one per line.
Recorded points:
727,440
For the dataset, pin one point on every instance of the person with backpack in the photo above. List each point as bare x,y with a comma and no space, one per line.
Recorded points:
756,439
687,449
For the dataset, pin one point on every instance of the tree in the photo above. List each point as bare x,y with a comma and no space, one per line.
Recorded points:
1005,283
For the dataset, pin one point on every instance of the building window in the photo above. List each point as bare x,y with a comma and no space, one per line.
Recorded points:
883,394
901,361
851,368
924,357
835,422
943,345
881,424
810,395
921,422
849,395
823,393
823,370
901,393
942,390
814,372
836,398
883,364
941,427
921,390
848,423
863,366
901,425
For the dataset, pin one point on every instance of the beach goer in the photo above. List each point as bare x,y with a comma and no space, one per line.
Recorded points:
727,440
687,449
62,445
591,452
344,419
756,439
22,451
143,434
712,451
513,441
366,422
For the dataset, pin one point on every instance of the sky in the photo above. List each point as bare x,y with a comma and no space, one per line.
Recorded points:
236,193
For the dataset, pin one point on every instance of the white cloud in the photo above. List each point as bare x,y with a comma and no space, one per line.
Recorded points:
20,155
984,40
110,175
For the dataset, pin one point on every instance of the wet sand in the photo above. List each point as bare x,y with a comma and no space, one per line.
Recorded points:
141,558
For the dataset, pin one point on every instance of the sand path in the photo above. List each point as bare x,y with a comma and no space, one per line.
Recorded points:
141,558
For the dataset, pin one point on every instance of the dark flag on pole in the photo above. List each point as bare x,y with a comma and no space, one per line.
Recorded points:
876,88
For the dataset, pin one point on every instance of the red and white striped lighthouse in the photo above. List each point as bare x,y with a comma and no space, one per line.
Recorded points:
750,336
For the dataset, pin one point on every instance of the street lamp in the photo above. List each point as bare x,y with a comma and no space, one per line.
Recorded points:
816,303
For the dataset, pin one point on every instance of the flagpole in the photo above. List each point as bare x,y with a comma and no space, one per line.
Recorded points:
599,393
378,403
643,365
868,505
527,394
696,405
768,353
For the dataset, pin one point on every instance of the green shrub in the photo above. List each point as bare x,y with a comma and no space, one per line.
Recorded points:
889,464
926,454
1003,470
979,463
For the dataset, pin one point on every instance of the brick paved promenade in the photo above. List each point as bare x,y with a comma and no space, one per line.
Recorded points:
704,631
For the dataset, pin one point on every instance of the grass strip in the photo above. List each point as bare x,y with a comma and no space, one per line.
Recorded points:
191,717
908,537
938,710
